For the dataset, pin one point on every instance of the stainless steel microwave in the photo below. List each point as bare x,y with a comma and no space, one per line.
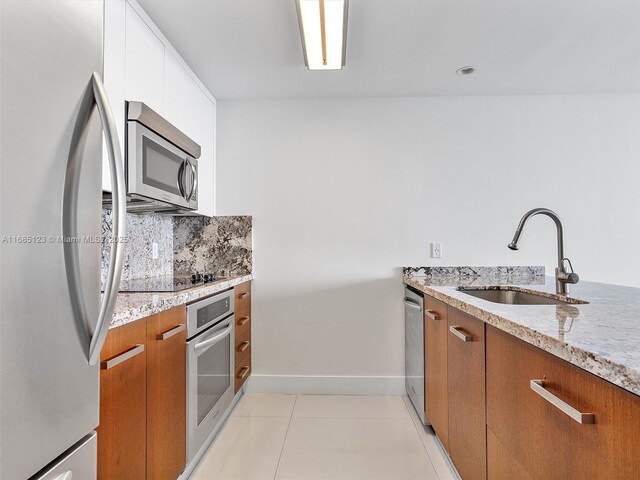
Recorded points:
161,164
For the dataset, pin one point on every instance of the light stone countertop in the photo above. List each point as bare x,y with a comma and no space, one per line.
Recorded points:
134,306
602,337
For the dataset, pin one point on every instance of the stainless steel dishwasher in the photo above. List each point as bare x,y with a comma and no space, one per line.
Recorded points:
414,350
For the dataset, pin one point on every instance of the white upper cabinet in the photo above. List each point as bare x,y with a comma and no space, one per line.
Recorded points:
141,65
144,63
113,74
192,111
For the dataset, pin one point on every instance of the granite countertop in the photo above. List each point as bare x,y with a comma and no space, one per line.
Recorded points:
602,337
134,306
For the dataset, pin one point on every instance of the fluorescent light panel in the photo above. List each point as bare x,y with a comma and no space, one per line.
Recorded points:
334,13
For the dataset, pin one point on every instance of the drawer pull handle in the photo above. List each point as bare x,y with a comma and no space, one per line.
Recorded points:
412,304
538,387
244,295
243,346
123,357
432,315
464,336
171,333
243,321
243,372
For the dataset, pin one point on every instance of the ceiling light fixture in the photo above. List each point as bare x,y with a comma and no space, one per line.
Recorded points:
323,29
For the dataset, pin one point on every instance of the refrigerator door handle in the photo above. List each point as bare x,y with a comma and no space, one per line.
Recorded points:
93,337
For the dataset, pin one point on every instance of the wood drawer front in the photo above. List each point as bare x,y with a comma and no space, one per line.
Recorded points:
243,346
242,307
466,395
123,403
242,295
435,357
500,463
544,440
166,393
242,372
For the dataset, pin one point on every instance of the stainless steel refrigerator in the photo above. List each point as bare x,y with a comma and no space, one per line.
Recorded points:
53,320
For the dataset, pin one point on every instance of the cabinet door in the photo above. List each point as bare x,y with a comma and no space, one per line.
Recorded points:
435,368
542,437
166,394
113,75
501,465
466,391
193,112
123,393
144,63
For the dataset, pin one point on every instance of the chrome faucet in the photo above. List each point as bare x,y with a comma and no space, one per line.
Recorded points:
562,276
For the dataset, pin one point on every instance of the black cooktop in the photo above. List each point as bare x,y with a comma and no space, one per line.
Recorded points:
167,283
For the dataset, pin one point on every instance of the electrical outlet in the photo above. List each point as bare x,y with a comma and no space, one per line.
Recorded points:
154,250
436,250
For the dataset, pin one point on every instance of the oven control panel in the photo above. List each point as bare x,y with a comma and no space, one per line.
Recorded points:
213,311
208,311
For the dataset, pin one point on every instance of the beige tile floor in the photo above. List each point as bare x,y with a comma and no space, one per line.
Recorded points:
323,437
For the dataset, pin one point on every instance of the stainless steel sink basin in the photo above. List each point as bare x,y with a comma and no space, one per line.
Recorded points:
515,297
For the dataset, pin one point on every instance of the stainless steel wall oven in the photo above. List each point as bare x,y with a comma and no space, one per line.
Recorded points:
210,362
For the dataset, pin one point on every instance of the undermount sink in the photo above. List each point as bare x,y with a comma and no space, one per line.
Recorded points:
515,297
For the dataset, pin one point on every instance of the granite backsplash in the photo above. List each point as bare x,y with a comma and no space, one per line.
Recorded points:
219,245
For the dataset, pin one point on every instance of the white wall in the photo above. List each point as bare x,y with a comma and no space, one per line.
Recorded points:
345,192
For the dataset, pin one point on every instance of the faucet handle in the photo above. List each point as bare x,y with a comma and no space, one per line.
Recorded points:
568,277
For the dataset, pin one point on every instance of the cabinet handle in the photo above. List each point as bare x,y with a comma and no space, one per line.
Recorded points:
432,315
171,333
243,346
243,321
243,372
464,336
244,295
538,387
123,357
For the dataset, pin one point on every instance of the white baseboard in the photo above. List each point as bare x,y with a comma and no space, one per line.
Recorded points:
326,385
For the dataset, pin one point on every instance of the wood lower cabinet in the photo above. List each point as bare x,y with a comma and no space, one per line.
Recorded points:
242,307
242,372
466,394
544,439
501,465
435,356
142,431
123,404
166,394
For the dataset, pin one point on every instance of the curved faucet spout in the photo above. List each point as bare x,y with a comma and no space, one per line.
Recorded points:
540,211
562,277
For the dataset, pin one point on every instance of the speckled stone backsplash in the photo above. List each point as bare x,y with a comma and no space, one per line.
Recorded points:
142,231
508,271
219,245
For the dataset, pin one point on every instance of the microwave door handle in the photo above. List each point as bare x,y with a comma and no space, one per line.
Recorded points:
194,180
93,338
213,340
180,179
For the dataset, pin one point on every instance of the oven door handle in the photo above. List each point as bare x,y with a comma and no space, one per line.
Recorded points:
213,340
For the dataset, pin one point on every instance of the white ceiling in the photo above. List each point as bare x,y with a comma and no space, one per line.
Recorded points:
252,49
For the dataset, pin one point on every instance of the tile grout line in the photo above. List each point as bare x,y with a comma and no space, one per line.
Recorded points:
285,437
415,425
